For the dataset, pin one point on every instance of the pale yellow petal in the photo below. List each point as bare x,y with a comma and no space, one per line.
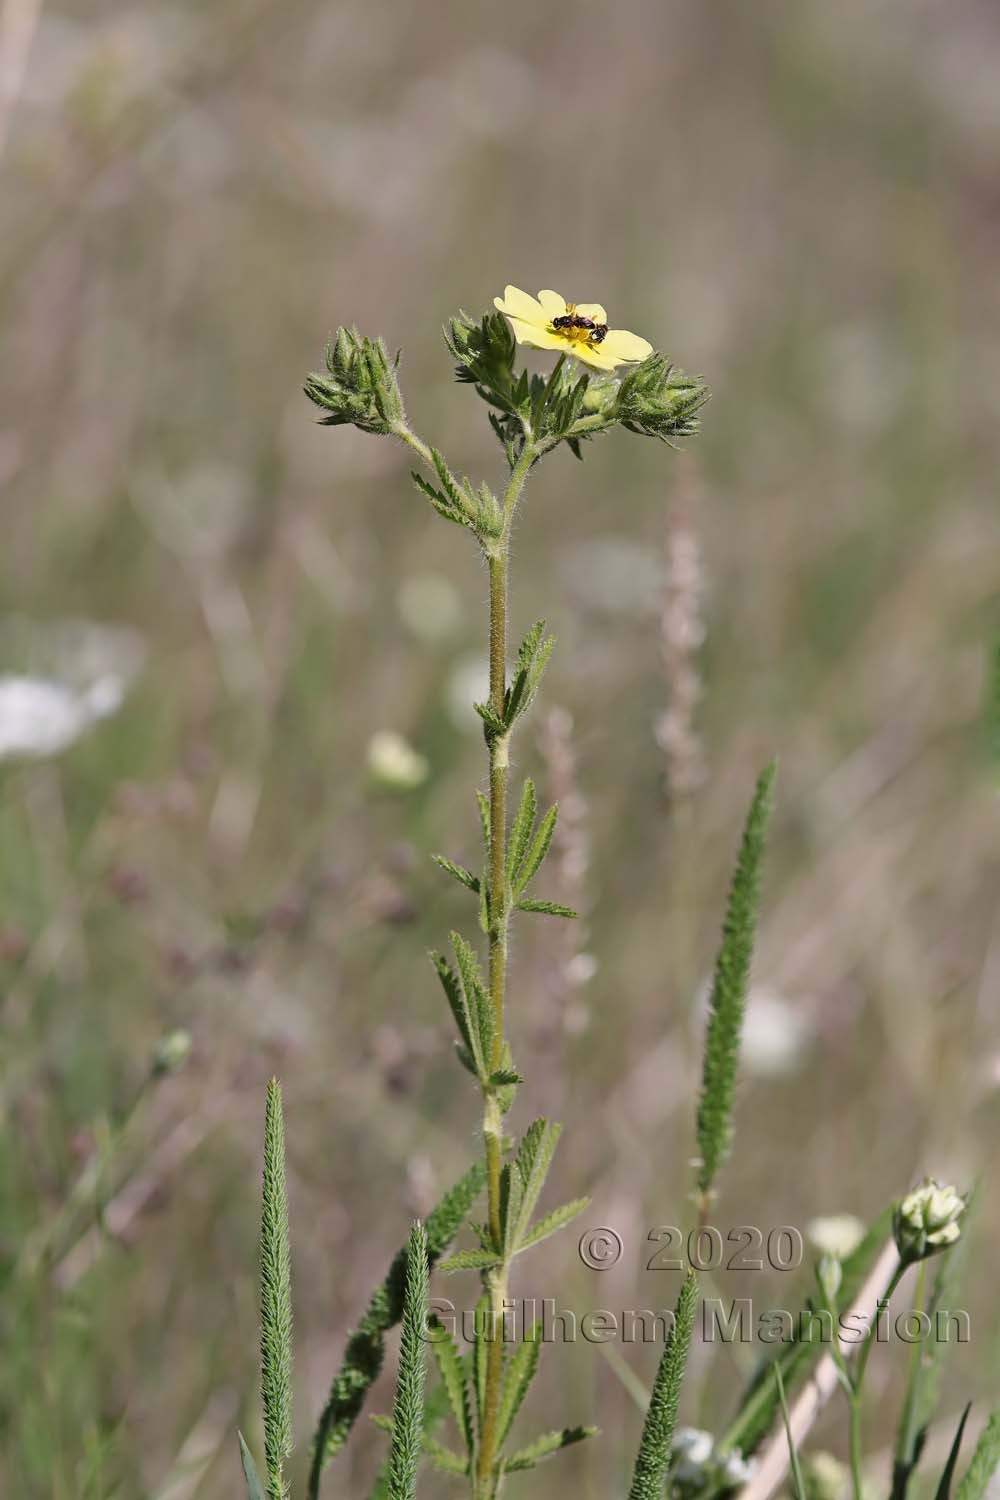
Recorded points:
536,335
554,305
517,304
592,310
625,347
593,355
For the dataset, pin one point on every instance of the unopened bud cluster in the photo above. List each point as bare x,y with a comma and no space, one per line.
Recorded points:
360,387
927,1220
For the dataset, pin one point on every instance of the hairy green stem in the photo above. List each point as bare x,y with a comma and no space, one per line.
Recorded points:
499,753
497,556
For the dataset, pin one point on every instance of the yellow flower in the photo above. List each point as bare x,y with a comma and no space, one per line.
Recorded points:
577,328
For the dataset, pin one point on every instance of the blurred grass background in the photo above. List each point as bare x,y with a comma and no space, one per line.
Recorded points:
796,200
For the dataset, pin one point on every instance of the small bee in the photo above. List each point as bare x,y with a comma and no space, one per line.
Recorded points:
572,320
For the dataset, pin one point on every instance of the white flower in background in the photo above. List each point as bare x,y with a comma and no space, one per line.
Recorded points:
429,606
836,1234
394,764
40,717
693,1447
737,1470
70,675
698,1467
775,1034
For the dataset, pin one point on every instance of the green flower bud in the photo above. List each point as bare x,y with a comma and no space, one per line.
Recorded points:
360,388
657,400
927,1220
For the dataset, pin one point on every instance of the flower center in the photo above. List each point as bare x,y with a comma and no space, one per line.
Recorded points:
577,329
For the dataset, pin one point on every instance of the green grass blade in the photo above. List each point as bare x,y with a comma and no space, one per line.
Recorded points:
255,1485
943,1491
653,1458
729,989
798,1485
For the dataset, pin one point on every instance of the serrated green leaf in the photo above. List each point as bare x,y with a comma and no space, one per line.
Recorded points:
489,513
466,1021
521,828
440,501
469,1260
444,1459
495,726
365,1350
518,1377
532,658
552,1222
534,1156
457,495
478,1001
545,1446
511,1199
459,872
452,1374
985,1461
529,665
547,908
537,851
255,1485
504,1076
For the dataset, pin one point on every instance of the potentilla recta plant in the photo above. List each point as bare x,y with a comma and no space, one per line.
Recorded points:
602,378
